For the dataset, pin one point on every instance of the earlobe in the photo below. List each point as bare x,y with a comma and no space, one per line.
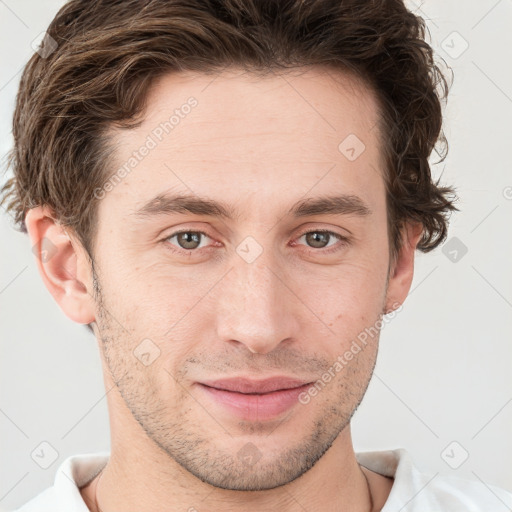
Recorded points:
61,265
402,273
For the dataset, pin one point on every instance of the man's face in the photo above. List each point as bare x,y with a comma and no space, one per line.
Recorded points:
264,292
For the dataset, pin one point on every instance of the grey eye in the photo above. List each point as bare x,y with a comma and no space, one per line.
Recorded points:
187,240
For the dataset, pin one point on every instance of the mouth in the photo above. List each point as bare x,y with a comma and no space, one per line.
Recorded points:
254,400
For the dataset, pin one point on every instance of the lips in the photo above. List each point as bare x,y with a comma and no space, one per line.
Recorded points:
254,400
249,386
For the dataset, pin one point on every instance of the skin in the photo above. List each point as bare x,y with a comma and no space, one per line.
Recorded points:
257,145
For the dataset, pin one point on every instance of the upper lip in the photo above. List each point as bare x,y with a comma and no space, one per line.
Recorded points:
244,385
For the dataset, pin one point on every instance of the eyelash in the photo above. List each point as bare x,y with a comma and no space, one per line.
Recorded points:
343,241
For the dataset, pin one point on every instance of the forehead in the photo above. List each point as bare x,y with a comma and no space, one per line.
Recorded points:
237,104
243,133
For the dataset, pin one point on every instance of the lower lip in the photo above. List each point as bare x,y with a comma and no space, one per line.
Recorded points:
256,407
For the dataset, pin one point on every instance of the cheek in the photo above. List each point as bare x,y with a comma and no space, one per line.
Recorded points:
149,297
352,293
350,307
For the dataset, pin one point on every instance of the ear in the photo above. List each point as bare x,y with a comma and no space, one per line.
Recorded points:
402,271
62,263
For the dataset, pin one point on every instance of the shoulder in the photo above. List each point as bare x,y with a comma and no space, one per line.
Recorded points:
417,491
45,501
64,495
464,495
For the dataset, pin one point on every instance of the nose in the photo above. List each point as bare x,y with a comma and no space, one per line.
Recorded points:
256,306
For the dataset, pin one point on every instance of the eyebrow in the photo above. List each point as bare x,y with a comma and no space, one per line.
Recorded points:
166,204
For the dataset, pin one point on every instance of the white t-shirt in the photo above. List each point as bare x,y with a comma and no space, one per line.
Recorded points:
412,491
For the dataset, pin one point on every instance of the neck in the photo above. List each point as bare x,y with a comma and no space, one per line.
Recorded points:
134,480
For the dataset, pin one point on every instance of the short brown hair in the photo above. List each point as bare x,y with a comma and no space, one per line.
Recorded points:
109,52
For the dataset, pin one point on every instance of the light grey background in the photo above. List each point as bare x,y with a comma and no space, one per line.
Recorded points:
443,371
